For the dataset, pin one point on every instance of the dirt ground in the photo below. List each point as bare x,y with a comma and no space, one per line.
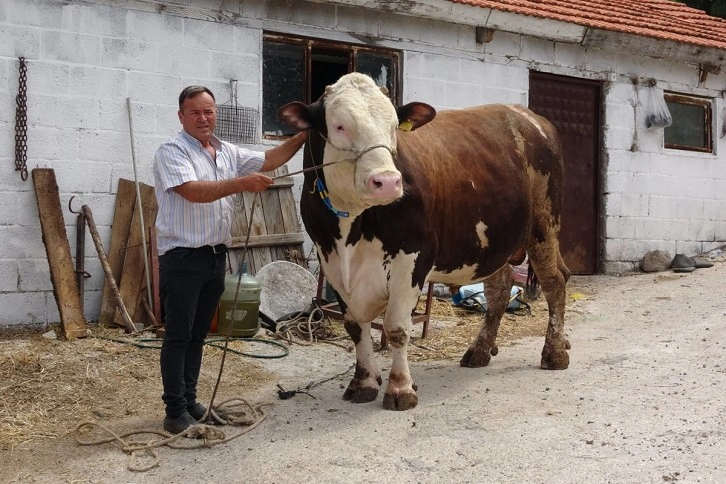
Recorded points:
642,401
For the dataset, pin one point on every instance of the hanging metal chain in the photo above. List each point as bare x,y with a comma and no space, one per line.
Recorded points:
21,122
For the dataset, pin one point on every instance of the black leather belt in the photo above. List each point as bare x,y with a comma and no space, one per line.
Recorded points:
214,249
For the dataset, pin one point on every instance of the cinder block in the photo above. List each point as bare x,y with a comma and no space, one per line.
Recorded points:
442,34
205,35
538,50
24,308
462,95
155,28
400,27
441,67
360,20
9,280
35,13
22,242
105,147
71,47
180,61
425,90
634,205
155,88
53,143
129,54
313,14
662,207
689,208
619,227
49,78
35,274
69,112
617,268
19,41
99,82
97,20
504,44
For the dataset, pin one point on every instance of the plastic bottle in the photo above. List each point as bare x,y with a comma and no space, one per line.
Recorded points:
714,254
240,319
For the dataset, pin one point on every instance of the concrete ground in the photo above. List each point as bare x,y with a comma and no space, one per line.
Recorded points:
643,401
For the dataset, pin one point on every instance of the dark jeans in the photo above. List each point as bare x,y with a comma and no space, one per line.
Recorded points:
191,281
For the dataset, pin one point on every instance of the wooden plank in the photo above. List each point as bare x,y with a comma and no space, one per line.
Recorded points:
260,256
132,279
120,228
268,240
58,250
288,208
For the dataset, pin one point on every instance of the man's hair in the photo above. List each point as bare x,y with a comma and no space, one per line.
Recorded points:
191,91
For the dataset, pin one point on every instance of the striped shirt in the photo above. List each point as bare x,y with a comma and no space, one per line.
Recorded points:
181,223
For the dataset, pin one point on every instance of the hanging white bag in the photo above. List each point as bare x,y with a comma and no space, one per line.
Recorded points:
658,115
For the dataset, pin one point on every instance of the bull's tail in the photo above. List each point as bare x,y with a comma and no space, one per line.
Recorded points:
531,285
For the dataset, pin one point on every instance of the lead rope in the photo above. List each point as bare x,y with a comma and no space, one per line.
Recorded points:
210,413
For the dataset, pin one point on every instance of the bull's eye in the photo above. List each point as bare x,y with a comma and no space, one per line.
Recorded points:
339,128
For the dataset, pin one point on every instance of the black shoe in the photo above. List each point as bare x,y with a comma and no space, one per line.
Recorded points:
177,425
198,410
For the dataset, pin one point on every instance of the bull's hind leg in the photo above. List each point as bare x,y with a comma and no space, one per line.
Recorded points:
364,385
497,289
552,274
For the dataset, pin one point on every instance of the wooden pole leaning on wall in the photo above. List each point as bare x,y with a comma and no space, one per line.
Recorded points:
130,327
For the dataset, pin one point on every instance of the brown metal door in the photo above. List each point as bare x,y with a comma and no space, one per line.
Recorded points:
574,107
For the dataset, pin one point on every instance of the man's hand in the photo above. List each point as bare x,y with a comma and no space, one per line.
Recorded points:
256,182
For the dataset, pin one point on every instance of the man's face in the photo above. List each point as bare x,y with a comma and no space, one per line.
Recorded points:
199,116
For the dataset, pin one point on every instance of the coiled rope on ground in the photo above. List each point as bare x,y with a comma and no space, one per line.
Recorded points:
143,454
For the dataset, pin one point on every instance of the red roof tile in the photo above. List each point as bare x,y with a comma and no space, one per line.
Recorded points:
660,19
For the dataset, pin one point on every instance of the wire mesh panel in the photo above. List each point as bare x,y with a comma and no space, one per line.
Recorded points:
236,124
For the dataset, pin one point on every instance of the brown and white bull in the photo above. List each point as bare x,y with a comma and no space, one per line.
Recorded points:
403,195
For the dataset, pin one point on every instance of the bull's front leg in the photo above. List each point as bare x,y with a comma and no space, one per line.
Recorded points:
401,390
364,385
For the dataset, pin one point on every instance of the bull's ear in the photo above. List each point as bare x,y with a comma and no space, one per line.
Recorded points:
296,115
414,115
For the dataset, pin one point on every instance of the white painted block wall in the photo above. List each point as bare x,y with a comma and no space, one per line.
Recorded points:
85,59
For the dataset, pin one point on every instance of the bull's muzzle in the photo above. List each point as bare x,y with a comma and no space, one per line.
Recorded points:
385,185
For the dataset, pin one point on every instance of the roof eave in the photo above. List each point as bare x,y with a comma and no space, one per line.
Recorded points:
555,30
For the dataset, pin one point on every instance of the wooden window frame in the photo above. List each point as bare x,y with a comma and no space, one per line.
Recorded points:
311,45
704,103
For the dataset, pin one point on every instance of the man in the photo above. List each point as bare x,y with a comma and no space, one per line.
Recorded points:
196,174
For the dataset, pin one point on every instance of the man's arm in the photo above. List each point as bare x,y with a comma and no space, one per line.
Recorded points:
209,191
281,154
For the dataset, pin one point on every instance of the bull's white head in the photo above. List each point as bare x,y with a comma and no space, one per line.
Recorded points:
359,129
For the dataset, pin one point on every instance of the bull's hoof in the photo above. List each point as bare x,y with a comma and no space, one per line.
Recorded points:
360,394
477,359
555,359
403,401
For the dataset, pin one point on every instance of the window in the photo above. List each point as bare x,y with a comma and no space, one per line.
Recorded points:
691,127
298,69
